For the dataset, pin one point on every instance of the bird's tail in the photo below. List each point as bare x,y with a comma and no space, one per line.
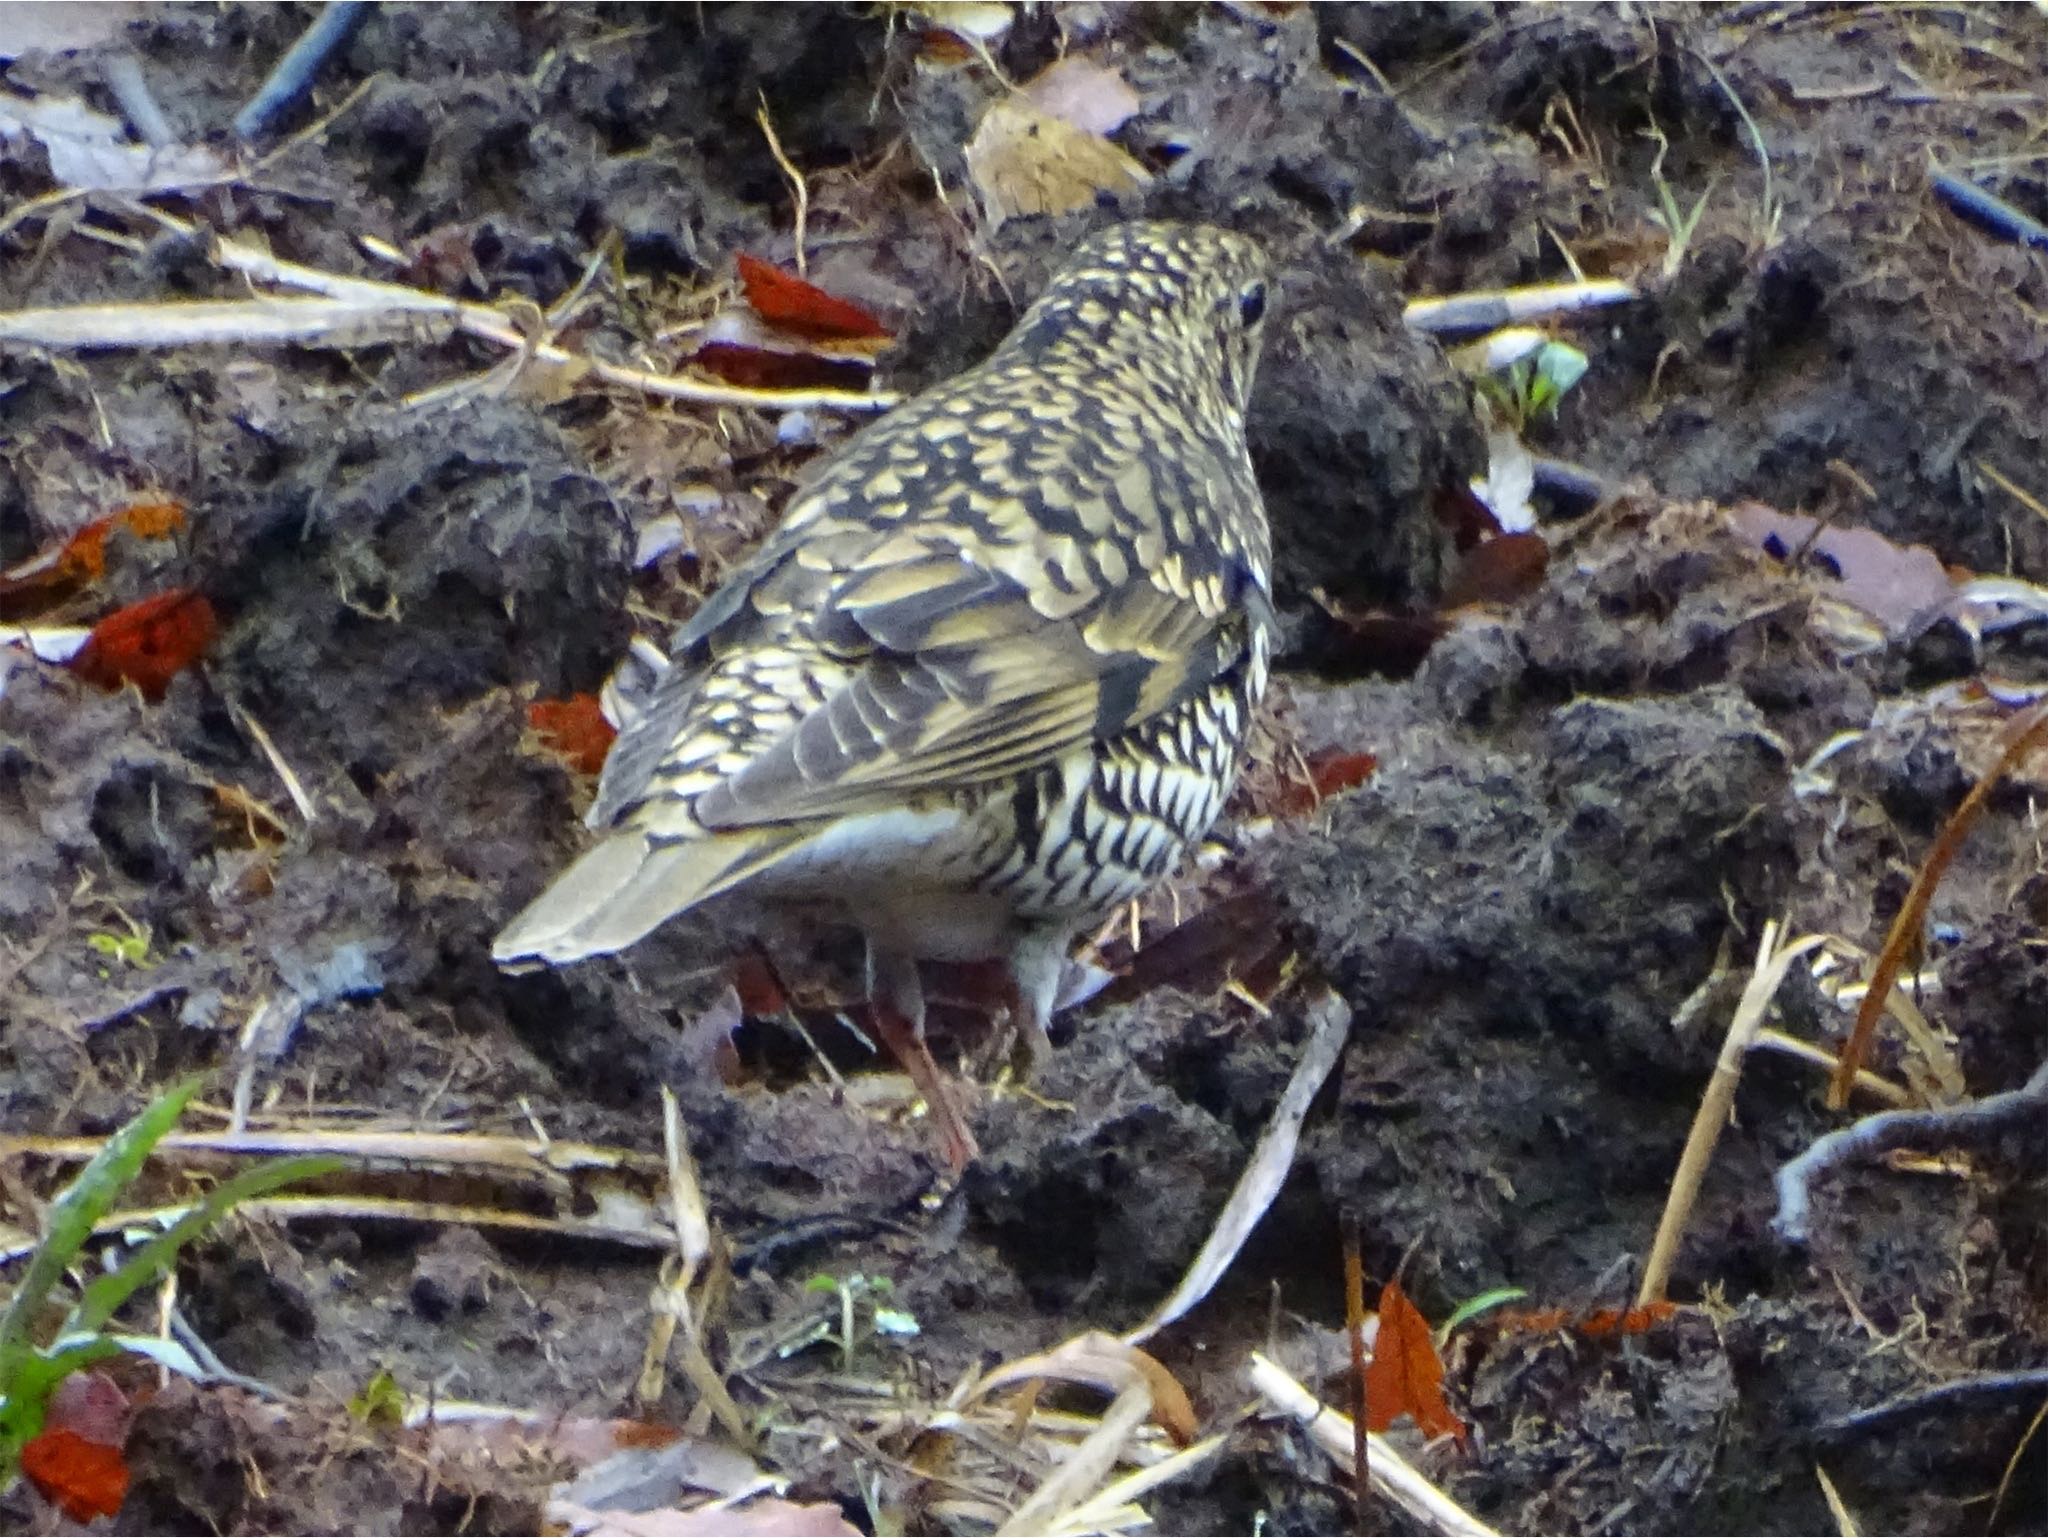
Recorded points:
624,887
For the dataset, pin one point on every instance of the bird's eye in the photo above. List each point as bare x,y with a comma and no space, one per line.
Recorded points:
1251,304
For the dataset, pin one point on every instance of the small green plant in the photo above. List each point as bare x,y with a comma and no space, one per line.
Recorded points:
130,949
1533,384
863,1313
30,1372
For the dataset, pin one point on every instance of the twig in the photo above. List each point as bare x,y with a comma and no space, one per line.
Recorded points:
1978,1121
1084,1468
1712,1116
138,105
1391,1474
293,76
796,181
1989,212
1354,1328
2020,737
1940,1399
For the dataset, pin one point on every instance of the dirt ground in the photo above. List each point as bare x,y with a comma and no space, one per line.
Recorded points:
1540,908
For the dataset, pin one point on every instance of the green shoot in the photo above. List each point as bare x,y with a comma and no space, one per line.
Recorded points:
1532,386
862,1314
1473,1307
30,1372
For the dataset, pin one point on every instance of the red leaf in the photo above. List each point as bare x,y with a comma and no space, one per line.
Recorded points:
575,728
88,1479
762,996
1499,571
766,368
48,578
148,643
1405,1376
806,309
1330,772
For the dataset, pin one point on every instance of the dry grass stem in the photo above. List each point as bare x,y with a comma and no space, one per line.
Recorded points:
1329,1025
1391,1475
1764,981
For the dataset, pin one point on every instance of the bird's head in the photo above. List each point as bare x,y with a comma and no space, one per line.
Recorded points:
1184,304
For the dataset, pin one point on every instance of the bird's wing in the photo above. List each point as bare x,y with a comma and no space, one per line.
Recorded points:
932,671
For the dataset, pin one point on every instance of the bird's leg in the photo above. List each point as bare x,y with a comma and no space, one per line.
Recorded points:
1034,983
896,1004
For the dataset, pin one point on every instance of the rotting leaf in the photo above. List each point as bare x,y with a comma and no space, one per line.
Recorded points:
88,1479
1406,1376
1597,1324
1499,571
770,368
575,728
789,302
1025,160
148,643
1098,1360
1084,93
1903,587
48,578
1331,771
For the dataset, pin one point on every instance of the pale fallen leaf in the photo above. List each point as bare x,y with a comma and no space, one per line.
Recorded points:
1329,1025
91,150
1098,1360
766,1518
28,28
1083,93
1903,587
978,21
1025,160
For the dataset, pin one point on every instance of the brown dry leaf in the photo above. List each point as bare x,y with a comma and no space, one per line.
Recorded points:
1084,93
765,1518
1903,587
1406,1376
1100,1361
1025,160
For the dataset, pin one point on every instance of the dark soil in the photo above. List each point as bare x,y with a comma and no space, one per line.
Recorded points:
1581,802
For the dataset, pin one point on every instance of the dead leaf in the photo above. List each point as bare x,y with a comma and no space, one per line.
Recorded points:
76,1460
1024,160
148,643
1329,1025
1500,571
1100,1361
1331,771
38,27
1406,1376
787,301
767,368
91,151
1903,587
768,1517
1084,93
575,728
87,1479
48,578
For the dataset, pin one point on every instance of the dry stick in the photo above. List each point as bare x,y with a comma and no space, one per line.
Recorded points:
1712,1116
1391,1474
1354,1325
491,325
2020,737
1979,1120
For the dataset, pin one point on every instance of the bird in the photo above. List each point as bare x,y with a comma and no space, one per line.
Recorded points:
991,676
